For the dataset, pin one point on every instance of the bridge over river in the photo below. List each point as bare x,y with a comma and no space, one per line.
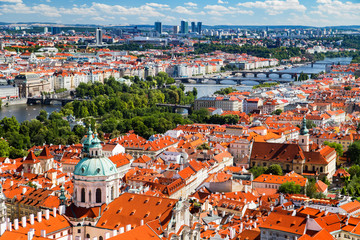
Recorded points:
50,100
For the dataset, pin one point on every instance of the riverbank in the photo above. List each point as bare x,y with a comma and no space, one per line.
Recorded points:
21,101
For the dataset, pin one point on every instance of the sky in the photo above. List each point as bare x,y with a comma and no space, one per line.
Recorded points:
211,12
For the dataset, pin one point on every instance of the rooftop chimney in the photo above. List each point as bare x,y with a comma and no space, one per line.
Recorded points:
31,219
47,214
39,216
23,222
54,211
31,234
61,209
128,227
16,224
43,233
142,222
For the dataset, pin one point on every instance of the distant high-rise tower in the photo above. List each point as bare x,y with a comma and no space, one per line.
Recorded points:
199,27
184,27
176,29
99,35
158,27
193,27
55,30
46,30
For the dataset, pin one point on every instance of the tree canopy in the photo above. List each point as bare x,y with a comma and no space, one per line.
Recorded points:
290,188
353,152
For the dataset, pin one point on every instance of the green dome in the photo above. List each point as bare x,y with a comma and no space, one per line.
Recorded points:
95,167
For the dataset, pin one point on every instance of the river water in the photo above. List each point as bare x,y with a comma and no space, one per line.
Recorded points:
25,112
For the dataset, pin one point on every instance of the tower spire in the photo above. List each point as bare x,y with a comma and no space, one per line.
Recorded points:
304,130
62,195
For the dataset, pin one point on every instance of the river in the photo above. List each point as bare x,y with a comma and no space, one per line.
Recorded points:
25,112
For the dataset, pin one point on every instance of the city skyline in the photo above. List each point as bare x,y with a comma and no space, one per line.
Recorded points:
214,12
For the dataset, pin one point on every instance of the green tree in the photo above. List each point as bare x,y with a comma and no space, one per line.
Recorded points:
277,112
204,146
347,88
354,152
354,170
337,146
303,77
195,92
290,188
274,169
4,148
200,115
225,91
311,190
257,171
42,116
310,124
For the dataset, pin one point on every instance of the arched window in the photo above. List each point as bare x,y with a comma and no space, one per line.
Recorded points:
112,193
321,169
306,168
101,238
87,235
83,195
89,196
98,195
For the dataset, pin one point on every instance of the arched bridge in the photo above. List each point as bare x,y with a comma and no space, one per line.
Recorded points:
234,79
174,106
50,101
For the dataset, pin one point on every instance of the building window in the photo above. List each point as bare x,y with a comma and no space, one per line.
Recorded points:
87,235
89,196
98,195
79,230
321,169
83,195
112,193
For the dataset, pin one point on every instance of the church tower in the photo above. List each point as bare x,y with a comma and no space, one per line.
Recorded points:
304,138
96,179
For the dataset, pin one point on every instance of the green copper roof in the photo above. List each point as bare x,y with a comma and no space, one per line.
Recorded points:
95,143
95,167
88,140
304,130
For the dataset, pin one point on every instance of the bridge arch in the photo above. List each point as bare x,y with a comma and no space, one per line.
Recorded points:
288,75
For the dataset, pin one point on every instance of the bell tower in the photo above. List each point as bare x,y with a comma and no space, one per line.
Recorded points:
304,138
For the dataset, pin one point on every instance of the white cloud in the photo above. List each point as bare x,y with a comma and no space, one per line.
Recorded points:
222,2
11,1
16,8
186,11
101,19
274,7
46,10
219,10
158,5
191,4
335,7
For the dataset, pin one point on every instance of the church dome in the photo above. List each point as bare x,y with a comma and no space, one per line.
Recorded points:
101,166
